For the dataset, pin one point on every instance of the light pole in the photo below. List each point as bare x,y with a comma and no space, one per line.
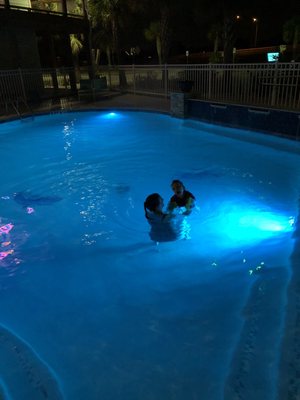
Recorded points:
255,21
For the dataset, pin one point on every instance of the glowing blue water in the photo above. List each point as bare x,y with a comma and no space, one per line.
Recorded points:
113,315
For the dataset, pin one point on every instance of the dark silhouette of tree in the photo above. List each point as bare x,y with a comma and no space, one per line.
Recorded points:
165,30
159,27
228,39
102,41
215,35
153,33
291,34
105,16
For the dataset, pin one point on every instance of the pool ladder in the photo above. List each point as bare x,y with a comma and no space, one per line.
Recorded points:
15,105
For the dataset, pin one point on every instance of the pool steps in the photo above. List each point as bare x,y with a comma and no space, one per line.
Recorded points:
24,374
254,365
289,383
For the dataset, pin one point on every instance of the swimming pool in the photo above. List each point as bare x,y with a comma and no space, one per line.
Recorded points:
92,309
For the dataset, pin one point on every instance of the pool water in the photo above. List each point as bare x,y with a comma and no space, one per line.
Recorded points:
91,308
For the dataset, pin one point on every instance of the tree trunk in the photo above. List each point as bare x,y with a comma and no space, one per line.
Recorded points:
165,32
229,40
295,42
108,54
97,59
158,49
216,44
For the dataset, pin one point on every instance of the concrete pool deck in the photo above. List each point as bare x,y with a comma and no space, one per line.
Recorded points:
130,101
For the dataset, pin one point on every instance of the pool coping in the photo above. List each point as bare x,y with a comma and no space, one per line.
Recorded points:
249,117
140,103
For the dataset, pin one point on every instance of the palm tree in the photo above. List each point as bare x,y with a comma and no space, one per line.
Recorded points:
76,47
103,43
153,33
165,30
291,34
215,35
105,15
229,39
159,29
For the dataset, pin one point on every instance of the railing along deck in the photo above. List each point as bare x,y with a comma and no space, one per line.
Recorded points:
269,85
275,85
34,9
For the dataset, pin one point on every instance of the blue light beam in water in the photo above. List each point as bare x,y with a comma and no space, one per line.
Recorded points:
254,225
266,221
233,225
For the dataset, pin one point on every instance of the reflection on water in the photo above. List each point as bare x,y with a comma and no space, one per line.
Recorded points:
9,250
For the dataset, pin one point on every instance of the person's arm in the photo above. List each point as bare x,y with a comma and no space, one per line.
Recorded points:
168,217
158,217
189,206
171,206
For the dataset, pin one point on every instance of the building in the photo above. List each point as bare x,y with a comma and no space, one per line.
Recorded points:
36,33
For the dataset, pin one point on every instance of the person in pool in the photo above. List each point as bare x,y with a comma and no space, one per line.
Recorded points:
181,198
153,207
162,229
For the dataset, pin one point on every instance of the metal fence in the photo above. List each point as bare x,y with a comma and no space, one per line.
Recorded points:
33,85
269,85
274,85
36,6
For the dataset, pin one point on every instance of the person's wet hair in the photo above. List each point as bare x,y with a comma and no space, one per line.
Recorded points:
177,182
152,202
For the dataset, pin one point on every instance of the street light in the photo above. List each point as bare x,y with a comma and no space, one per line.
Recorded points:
255,21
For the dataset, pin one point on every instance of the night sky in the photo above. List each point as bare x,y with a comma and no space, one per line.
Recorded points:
271,17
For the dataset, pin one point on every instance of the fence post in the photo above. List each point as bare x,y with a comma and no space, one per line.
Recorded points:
209,80
22,85
274,85
133,74
166,80
109,77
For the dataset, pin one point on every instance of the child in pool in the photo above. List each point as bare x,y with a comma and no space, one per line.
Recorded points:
181,198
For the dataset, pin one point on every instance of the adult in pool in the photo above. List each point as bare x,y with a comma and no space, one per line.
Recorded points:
153,207
162,229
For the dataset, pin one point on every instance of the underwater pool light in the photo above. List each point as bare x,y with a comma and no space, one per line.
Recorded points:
111,115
